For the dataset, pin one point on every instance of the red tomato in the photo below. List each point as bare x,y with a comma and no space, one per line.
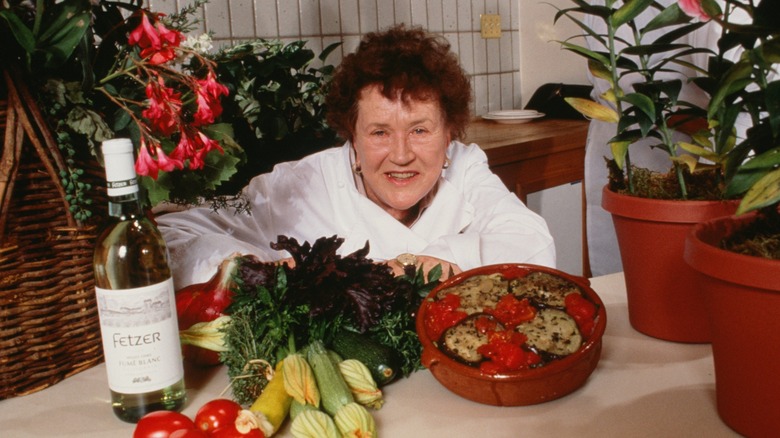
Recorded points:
189,433
230,431
216,414
161,424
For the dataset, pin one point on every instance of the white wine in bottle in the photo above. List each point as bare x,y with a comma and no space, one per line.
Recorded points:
135,298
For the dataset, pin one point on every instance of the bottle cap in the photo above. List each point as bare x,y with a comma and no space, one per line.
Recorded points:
120,167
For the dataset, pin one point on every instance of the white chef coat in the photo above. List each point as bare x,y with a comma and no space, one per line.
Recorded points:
473,220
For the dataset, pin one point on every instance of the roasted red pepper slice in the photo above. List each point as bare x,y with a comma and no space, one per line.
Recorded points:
443,314
583,311
510,311
486,325
504,352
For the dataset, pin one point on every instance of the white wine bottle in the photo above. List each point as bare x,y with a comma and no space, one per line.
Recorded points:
135,298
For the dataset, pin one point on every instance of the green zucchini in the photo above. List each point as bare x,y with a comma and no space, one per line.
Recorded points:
335,357
382,361
297,407
334,391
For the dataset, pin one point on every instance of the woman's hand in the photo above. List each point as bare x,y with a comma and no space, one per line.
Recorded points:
427,262
289,261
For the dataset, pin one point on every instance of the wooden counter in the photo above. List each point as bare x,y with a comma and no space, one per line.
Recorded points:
533,156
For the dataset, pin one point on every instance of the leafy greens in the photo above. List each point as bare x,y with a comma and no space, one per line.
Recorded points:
277,308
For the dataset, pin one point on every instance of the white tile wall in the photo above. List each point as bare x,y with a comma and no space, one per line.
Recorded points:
492,64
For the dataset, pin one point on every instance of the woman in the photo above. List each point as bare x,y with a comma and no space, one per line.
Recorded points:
400,182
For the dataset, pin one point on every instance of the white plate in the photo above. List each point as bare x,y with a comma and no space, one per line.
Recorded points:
514,114
513,120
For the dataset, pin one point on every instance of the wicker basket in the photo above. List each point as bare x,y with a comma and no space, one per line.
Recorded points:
48,317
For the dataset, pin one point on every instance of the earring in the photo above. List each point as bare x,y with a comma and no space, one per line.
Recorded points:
357,169
446,163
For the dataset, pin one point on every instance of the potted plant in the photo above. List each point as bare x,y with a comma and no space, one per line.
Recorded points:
739,256
653,212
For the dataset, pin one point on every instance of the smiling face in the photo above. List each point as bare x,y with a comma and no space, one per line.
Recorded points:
401,148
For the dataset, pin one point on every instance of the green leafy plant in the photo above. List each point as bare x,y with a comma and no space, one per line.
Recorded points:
116,69
653,58
740,136
749,87
277,102
203,123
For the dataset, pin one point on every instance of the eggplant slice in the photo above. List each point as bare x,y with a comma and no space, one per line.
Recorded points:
544,290
478,292
552,331
462,340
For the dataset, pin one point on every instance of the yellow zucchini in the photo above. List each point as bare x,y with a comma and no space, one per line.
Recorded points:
273,404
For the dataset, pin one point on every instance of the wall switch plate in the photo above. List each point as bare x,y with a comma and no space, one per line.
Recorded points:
490,25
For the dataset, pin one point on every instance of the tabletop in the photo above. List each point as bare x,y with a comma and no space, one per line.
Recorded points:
642,387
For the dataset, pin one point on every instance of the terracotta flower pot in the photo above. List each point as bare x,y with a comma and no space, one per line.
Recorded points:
743,299
664,297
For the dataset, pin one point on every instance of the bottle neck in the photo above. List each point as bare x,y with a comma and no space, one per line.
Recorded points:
122,189
125,206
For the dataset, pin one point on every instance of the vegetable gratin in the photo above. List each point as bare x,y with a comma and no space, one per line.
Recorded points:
501,325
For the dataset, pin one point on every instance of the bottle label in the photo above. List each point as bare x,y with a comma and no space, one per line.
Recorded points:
140,336
123,187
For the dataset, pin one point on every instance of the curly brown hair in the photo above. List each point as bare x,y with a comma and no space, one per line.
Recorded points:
409,61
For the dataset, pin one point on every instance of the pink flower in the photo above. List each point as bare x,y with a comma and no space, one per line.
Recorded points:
211,87
164,111
209,106
169,37
206,110
158,56
166,163
209,144
145,164
186,147
693,8
145,35
157,42
194,145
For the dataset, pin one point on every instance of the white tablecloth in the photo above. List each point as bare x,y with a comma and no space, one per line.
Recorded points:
642,387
